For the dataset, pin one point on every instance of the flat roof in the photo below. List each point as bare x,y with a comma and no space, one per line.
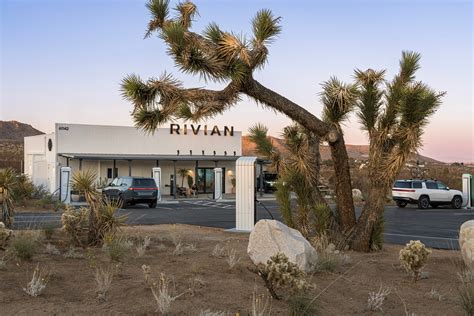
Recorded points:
149,157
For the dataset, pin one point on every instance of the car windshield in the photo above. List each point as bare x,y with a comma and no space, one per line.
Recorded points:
402,184
114,183
144,183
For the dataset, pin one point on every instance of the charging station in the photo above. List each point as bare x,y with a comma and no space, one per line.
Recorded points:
218,184
156,171
468,190
65,185
246,188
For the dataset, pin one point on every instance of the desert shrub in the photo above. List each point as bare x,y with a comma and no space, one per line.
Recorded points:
261,304
194,284
279,272
107,222
208,312
7,184
103,277
466,295
116,247
71,253
302,305
23,188
48,232
25,244
434,294
329,257
51,249
161,289
142,246
414,257
74,222
218,251
5,235
232,258
38,282
376,299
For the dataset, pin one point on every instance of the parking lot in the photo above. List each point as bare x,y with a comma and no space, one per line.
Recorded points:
436,228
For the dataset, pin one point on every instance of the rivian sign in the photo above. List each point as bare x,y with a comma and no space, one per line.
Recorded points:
184,130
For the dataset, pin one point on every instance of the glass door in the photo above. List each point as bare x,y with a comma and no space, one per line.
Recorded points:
205,180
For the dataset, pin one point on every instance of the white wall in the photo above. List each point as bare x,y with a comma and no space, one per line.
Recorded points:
40,162
95,139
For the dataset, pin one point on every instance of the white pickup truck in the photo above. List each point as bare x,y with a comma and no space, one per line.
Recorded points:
425,193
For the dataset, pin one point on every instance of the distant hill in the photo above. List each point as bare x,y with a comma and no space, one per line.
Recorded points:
358,152
11,142
13,131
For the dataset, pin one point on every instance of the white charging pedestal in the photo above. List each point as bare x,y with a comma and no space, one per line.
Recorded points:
245,193
467,187
218,184
156,171
65,185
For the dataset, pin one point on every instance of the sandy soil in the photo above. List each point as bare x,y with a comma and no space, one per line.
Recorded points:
71,289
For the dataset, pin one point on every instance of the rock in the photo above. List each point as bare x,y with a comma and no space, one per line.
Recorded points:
356,193
270,237
466,242
467,251
466,232
5,234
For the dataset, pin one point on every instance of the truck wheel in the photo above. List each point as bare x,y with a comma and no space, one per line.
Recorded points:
401,204
424,202
152,204
457,202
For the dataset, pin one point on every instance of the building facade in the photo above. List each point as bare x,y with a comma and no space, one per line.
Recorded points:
112,151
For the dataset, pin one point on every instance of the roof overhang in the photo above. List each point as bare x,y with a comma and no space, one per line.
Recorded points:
148,157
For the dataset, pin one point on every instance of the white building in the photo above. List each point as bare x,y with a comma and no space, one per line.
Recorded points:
112,151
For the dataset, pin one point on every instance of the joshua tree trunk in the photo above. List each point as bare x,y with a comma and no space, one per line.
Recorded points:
345,203
334,137
373,209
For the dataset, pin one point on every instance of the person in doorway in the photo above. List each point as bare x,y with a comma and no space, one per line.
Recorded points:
194,190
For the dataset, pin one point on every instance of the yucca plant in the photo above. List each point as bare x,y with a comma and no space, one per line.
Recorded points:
298,172
84,182
394,115
7,183
224,57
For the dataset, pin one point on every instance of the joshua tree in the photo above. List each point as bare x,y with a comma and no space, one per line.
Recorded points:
221,56
7,182
394,115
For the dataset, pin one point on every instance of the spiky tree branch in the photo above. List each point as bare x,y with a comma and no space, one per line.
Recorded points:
220,56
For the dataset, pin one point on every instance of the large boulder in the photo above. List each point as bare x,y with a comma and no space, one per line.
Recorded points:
270,237
466,242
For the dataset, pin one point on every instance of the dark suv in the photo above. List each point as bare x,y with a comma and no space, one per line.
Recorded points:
269,182
132,190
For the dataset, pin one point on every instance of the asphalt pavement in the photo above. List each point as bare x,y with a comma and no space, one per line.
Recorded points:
437,228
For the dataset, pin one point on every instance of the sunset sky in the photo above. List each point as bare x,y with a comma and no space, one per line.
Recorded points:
62,61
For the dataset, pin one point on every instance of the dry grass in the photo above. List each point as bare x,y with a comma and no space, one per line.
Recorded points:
142,246
161,289
376,299
232,258
218,251
38,282
103,277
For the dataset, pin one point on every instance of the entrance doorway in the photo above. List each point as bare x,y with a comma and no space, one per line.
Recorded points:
205,180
